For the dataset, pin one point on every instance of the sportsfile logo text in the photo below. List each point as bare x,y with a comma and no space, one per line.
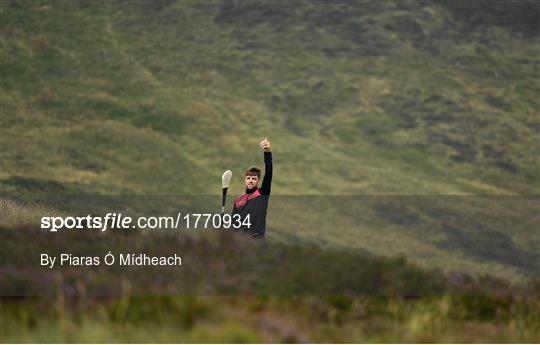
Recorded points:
119,221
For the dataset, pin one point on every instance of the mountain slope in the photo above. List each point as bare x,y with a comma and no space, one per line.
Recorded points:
358,98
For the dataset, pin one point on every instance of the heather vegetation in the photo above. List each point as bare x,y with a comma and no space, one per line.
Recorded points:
405,138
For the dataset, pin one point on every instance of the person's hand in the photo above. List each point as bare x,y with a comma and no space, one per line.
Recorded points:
265,145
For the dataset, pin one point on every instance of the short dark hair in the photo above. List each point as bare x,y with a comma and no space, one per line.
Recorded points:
253,171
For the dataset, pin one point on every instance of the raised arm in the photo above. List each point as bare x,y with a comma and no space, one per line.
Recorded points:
267,180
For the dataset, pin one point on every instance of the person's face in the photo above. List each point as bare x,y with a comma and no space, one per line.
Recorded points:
251,181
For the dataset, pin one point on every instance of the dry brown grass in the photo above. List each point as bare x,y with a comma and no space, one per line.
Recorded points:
14,212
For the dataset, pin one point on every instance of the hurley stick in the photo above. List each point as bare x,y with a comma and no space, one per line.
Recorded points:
225,179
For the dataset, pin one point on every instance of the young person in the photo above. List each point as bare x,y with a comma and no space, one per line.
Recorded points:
254,202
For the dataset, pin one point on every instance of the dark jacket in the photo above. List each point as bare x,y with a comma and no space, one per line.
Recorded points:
254,202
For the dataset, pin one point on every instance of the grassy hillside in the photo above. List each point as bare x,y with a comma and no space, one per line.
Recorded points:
287,320
404,129
367,97
358,98
234,288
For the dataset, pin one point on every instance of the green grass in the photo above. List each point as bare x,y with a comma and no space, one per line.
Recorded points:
382,101
249,319
373,99
191,77
251,291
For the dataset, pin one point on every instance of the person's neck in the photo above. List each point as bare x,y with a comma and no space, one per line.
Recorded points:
251,191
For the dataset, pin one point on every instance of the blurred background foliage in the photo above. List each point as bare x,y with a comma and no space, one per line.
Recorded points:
359,98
